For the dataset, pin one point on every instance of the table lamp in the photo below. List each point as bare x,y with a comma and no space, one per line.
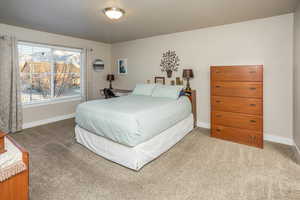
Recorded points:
110,78
188,74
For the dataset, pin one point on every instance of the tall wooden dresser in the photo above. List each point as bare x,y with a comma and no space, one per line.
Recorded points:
237,104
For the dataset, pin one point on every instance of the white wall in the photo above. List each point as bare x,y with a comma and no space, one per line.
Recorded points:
96,80
297,77
266,41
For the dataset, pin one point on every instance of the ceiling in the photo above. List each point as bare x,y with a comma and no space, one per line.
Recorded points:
143,18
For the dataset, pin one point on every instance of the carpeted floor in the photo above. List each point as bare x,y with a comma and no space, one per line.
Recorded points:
198,167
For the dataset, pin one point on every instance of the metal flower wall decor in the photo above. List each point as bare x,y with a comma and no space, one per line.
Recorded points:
169,63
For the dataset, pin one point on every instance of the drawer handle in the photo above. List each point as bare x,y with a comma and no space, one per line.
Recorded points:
253,139
218,130
252,72
252,88
252,104
218,72
219,115
218,86
253,121
218,101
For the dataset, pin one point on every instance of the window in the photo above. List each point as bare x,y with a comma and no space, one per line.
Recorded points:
49,73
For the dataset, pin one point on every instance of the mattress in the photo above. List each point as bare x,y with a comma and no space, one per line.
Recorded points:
132,119
135,157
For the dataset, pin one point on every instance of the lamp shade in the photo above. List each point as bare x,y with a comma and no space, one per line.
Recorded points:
110,77
188,73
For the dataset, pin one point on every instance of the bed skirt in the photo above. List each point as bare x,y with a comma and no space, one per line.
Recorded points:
135,157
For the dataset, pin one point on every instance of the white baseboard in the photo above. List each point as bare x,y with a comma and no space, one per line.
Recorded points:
203,125
278,139
47,121
267,137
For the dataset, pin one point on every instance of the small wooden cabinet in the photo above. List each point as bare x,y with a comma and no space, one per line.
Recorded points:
237,104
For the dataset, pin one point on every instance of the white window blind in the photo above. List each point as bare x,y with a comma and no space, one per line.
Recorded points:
49,73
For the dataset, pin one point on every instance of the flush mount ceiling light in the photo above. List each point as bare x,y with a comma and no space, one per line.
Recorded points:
114,13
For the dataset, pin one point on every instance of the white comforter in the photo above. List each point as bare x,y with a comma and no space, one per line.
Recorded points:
131,120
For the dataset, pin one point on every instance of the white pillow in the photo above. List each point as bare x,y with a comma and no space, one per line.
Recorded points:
167,91
144,89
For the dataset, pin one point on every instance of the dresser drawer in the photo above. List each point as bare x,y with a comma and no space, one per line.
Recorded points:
237,73
242,136
237,89
237,104
238,120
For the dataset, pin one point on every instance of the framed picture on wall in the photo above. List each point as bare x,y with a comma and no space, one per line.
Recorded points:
159,80
122,66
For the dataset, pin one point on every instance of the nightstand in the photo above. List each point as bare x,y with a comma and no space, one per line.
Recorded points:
192,95
118,92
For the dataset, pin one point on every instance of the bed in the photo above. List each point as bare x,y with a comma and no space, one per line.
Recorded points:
135,129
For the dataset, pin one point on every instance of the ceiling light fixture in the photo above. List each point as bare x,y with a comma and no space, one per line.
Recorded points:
114,13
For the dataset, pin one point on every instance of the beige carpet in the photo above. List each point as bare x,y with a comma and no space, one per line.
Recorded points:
198,167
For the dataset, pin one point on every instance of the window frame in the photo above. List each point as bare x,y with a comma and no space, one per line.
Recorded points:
52,100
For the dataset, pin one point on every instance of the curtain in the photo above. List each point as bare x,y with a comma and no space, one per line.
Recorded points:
87,68
10,96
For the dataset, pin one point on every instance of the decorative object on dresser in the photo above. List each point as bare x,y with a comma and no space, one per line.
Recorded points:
188,74
2,145
160,80
193,98
237,104
169,63
14,172
110,78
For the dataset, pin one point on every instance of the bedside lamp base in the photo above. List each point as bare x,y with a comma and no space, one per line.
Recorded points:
188,87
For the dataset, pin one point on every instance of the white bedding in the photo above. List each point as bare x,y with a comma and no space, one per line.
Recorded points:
132,119
135,157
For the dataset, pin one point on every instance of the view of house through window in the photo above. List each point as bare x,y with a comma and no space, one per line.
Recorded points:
48,73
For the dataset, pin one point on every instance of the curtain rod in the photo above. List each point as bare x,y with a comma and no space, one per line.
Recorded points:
55,45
